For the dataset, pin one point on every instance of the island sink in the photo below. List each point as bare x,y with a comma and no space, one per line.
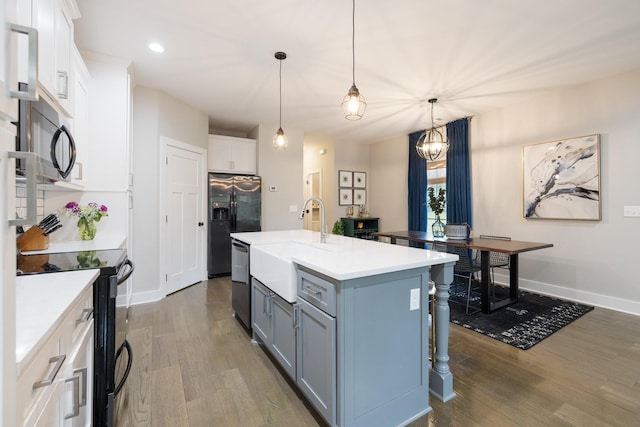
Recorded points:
272,264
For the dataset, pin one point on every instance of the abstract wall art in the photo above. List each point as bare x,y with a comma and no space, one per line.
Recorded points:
561,179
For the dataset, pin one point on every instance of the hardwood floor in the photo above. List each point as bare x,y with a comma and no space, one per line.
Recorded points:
194,365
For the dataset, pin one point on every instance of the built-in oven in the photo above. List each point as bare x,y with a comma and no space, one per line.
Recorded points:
44,131
241,283
113,354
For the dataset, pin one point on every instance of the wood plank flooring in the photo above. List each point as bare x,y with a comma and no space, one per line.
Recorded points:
194,365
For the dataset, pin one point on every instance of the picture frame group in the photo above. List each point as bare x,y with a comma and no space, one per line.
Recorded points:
352,188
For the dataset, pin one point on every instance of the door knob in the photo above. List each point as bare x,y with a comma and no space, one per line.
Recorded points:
200,224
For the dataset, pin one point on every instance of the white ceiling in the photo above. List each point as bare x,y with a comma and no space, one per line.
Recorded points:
473,55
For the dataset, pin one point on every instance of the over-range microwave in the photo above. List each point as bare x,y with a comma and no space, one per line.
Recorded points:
44,131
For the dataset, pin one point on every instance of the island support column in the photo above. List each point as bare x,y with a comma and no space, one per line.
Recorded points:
440,378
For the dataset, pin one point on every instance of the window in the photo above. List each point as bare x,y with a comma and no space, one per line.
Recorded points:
436,178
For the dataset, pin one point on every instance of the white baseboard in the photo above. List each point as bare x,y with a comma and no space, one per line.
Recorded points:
584,297
149,296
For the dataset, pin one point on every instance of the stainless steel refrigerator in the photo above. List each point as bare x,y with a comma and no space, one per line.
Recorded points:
234,206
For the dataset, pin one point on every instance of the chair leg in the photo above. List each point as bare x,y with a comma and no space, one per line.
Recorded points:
469,293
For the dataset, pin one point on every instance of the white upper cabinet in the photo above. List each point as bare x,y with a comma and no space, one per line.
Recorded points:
64,43
109,123
53,19
231,155
8,106
80,94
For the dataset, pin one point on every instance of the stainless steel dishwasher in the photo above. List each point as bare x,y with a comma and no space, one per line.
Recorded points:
240,283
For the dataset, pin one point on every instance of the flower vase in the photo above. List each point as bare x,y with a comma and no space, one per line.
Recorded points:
437,228
87,228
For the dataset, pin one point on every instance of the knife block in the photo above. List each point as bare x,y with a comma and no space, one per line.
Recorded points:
33,240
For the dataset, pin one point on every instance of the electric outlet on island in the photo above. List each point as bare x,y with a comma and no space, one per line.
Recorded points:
632,211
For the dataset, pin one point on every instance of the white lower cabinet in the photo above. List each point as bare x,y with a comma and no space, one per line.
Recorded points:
48,412
55,386
78,397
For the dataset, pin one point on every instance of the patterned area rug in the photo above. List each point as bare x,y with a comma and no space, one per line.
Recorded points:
523,324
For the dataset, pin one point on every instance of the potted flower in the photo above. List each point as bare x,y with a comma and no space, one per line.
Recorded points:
436,203
87,215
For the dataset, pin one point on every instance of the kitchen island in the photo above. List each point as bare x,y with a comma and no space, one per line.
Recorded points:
354,333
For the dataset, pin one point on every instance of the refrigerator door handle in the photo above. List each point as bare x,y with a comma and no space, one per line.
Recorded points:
235,209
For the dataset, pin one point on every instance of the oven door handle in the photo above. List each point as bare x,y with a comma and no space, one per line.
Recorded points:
128,273
127,370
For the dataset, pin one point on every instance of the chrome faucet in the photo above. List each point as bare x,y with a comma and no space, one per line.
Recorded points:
323,234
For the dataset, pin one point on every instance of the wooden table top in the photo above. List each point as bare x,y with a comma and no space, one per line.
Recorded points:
483,244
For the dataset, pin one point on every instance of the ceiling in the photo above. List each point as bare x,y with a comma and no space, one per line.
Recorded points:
473,55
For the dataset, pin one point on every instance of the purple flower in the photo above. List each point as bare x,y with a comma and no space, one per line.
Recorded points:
92,211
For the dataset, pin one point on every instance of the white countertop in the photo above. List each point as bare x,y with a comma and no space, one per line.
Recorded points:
42,300
344,258
101,242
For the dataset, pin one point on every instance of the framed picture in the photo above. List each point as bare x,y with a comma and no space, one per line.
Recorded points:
359,197
345,178
346,196
561,179
359,180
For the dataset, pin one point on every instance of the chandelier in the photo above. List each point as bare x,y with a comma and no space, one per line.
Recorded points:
432,145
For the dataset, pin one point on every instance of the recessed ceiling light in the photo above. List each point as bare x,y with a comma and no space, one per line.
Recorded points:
156,47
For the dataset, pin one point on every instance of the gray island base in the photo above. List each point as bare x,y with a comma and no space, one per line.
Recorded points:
348,321
358,349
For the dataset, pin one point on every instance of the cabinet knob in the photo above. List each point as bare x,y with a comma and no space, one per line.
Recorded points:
201,224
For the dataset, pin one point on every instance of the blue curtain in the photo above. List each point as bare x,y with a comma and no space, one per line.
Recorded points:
417,180
459,209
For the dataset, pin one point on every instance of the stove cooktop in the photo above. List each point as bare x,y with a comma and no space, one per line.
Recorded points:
108,261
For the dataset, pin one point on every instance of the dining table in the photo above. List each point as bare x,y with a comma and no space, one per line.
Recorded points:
485,244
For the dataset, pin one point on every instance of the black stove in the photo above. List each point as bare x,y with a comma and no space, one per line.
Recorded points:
113,355
108,261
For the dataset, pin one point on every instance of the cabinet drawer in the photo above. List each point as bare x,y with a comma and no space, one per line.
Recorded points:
80,315
317,292
47,364
52,359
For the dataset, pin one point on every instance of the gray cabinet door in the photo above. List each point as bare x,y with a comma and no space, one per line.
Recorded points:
260,296
316,374
283,335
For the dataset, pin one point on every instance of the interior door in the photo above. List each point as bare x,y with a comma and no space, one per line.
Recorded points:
314,189
184,223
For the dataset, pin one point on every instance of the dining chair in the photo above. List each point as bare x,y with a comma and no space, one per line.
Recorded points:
496,259
464,268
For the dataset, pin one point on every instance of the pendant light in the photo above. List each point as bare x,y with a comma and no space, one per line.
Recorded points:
280,140
432,145
353,103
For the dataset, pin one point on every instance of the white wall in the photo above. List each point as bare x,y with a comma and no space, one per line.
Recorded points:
155,114
591,261
282,169
353,157
314,161
388,179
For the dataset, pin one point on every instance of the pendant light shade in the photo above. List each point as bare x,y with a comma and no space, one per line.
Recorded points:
432,145
353,104
280,140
